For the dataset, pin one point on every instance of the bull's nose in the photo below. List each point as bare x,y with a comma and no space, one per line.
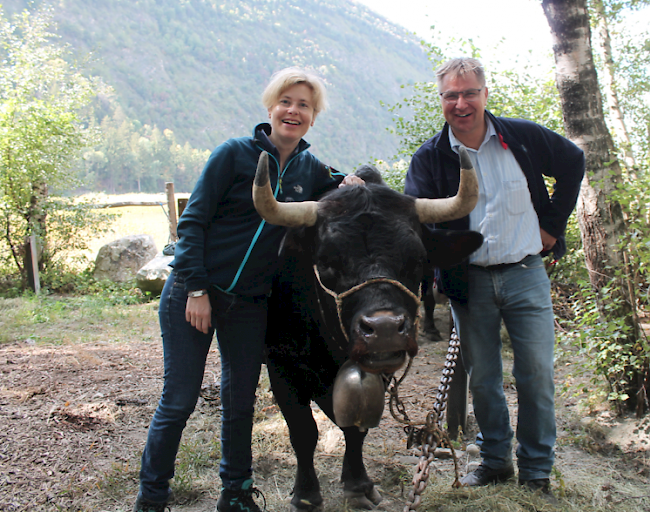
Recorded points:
384,333
384,325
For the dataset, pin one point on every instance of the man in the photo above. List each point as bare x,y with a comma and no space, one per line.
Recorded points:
505,279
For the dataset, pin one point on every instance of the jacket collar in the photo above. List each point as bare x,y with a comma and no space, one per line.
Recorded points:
261,137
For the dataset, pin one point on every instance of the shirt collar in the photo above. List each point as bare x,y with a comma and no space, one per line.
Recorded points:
490,132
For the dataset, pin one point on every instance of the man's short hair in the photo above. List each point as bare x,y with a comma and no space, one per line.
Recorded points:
288,77
459,67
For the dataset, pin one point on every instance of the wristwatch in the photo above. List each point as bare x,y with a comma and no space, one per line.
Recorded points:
197,293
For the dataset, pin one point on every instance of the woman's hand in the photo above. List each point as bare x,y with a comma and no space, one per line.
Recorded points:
198,312
351,179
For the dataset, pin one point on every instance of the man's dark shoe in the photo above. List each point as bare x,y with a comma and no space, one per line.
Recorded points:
143,505
543,485
240,500
484,475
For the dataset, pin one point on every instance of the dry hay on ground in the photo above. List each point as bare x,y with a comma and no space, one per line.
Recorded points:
75,420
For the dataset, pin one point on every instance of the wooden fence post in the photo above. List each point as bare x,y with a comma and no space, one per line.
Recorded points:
31,264
182,203
171,205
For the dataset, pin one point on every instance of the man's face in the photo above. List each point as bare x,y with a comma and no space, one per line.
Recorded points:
466,118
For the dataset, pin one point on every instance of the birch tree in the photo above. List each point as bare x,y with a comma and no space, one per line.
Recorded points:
600,218
607,16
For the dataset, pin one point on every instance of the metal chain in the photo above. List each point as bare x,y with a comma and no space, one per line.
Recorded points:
431,434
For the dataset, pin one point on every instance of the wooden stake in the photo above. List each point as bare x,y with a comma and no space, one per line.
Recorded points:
171,204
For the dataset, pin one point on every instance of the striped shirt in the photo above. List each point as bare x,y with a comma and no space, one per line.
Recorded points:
504,214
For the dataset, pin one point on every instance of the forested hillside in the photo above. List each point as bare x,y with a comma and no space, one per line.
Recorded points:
198,67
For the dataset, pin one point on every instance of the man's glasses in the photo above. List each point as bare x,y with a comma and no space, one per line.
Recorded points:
469,95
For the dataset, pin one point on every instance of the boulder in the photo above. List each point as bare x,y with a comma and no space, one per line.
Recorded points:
151,278
119,261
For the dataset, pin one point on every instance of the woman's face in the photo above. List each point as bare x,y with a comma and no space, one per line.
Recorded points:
292,115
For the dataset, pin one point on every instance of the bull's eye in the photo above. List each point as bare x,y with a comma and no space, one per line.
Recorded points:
413,271
329,264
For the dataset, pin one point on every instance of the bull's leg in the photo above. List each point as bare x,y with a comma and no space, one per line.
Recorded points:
358,489
303,433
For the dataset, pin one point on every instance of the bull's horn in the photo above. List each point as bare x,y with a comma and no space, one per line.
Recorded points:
431,211
281,214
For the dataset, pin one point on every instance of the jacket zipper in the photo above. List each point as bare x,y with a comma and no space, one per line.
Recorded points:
278,188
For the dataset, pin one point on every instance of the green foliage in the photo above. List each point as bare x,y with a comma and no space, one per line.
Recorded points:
614,353
526,95
630,67
611,355
141,158
42,112
393,174
62,279
633,68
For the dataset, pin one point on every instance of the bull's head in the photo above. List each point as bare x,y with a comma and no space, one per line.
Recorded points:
430,211
368,252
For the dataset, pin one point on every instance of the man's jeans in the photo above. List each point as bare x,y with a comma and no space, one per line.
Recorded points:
520,295
241,326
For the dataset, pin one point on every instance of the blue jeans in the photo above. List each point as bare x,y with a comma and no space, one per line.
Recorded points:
520,295
241,326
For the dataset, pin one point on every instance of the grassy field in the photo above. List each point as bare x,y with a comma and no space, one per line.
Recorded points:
135,220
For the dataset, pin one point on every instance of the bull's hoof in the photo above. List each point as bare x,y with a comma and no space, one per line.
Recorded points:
368,500
306,505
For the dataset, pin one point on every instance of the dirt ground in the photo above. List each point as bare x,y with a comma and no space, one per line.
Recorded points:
74,421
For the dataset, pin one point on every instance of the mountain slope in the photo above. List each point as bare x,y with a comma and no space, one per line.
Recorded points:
198,67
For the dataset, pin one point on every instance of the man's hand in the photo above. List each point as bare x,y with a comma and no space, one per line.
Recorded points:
351,179
198,312
548,241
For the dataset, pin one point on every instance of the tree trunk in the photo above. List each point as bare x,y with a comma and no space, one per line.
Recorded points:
36,218
601,220
609,79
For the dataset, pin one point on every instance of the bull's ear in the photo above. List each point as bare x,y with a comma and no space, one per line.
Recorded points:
369,174
298,240
447,248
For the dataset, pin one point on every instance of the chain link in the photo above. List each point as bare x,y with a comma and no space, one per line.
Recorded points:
431,434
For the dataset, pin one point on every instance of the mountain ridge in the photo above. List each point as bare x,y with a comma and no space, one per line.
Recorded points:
198,67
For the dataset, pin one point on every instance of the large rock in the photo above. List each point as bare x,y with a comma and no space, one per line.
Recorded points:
151,278
119,261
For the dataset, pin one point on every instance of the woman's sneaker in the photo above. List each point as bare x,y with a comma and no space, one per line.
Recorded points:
143,505
240,500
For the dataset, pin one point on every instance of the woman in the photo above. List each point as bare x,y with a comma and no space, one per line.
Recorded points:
224,262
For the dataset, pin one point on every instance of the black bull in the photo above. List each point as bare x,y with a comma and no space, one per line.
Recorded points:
364,244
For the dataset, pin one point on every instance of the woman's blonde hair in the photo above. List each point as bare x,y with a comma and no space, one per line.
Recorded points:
288,77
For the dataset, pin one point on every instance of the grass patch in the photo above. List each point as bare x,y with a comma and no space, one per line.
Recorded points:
86,319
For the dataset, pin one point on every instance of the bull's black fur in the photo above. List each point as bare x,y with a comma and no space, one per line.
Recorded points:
361,233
